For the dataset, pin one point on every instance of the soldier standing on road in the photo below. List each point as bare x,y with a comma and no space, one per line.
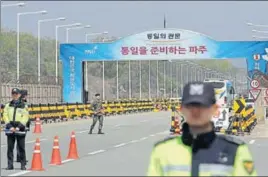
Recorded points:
15,117
200,151
97,114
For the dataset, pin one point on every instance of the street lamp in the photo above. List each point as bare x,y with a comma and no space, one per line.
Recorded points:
258,31
77,27
157,78
21,4
39,48
18,37
260,37
256,25
56,47
93,34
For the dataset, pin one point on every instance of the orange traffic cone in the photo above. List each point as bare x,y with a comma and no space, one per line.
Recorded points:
37,128
37,159
72,148
177,126
56,157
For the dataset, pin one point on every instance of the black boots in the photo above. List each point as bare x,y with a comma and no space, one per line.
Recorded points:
100,132
10,168
23,167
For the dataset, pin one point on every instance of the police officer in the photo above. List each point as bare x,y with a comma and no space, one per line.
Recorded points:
98,114
23,98
200,151
15,116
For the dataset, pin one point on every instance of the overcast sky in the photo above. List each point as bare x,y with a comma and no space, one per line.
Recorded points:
220,20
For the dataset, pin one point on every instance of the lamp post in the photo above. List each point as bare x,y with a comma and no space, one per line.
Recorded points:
20,4
18,37
140,69
256,25
260,37
56,46
39,45
72,28
149,80
157,79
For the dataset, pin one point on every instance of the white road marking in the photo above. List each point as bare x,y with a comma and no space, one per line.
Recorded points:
119,145
251,141
27,142
20,173
67,160
162,133
33,141
134,141
96,152
144,121
118,125
144,138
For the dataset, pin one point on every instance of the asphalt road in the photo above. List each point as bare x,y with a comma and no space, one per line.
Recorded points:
123,150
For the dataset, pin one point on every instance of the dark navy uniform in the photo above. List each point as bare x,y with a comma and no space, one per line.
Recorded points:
204,153
16,116
24,94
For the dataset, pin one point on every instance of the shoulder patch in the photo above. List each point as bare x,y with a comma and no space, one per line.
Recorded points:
164,140
232,139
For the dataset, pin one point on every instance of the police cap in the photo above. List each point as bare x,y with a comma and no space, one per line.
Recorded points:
15,91
198,93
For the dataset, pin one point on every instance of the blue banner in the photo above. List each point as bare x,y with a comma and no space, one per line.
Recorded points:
167,44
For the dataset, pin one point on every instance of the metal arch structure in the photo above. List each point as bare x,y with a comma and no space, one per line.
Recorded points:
188,45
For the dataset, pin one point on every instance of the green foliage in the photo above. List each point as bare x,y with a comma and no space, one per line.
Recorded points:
28,57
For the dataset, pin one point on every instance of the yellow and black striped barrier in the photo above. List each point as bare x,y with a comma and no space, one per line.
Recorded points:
176,120
66,111
243,122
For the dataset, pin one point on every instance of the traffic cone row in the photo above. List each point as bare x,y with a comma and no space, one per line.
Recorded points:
72,148
56,155
37,158
37,127
177,126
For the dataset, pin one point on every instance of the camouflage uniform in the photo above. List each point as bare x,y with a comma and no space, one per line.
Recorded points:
98,115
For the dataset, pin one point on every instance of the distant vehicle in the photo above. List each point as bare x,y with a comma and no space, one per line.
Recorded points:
224,92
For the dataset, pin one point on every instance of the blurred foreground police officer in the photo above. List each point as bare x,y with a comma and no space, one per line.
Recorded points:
200,151
23,98
98,114
16,116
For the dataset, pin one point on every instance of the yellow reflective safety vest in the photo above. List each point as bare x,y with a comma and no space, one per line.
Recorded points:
13,113
206,155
